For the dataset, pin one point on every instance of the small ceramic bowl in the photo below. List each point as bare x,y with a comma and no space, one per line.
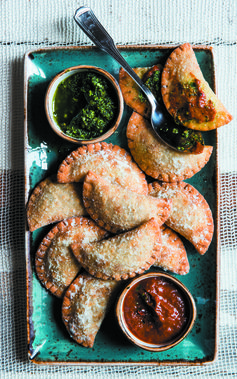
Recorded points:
130,305
49,102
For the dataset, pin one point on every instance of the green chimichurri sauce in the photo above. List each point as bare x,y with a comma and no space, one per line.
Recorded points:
175,134
153,83
84,105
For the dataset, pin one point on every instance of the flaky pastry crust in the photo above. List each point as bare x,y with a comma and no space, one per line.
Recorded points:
108,160
51,202
118,209
183,87
84,307
190,213
55,264
122,256
158,160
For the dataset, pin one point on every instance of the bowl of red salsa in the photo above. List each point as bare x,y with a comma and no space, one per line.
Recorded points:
156,311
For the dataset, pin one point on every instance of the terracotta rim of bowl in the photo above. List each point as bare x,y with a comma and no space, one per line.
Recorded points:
71,70
176,340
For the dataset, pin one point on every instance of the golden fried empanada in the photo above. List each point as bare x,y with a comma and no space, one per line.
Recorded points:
107,160
172,254
187,95
51,202
156,159
190,214
121,256
131,91
132,94
118,209
84,307
55,265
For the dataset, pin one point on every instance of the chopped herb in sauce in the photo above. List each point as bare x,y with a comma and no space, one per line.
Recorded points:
84,105
152,81
174,133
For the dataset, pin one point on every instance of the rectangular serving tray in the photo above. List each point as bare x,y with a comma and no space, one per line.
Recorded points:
48,341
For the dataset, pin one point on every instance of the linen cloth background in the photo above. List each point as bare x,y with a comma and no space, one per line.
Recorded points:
27,25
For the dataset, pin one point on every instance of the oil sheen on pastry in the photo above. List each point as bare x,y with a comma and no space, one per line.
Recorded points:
55,264
190,214
121,256
158,160
105,159
85,305
118,209
187,95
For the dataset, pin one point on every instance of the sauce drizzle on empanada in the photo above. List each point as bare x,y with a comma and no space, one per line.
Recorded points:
187,95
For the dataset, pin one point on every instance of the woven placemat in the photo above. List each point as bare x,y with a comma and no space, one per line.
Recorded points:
27,25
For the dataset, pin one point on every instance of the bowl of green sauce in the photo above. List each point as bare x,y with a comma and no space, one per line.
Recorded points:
84,104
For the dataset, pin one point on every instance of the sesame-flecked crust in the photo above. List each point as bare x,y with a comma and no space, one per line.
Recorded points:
158,160
172,254
55,264
51,202
190,213
108,160
118,209
122,256
84,307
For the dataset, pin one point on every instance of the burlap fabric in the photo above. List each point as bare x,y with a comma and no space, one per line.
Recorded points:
28,24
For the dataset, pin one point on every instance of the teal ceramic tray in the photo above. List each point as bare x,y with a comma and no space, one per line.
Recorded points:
48,340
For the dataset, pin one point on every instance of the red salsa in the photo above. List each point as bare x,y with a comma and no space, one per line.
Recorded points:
154,310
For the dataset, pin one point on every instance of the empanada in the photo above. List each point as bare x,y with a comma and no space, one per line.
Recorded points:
107,160
84,307
187,95
118,209
51,202
156,159
176,135
121,256
131,91
172,254
55,265
190,214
